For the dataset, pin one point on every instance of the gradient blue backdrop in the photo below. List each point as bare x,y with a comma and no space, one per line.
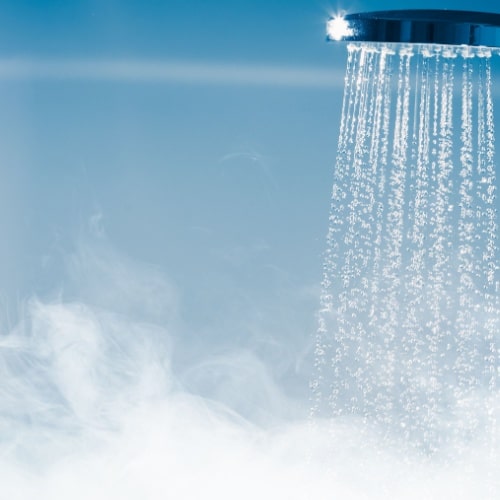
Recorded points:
221,187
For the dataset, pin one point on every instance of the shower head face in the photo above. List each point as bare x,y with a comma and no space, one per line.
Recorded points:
446,27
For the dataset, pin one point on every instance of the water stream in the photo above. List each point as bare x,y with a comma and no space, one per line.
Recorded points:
409,318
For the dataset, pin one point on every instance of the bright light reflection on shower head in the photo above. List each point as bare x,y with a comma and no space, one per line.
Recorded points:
337,28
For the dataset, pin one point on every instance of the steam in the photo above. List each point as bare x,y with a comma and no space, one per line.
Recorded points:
91,406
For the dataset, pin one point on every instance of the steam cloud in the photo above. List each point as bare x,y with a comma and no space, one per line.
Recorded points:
91,407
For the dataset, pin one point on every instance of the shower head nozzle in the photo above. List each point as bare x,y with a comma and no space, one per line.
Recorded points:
447,27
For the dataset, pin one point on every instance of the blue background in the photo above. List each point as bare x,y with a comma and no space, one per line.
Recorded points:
221,187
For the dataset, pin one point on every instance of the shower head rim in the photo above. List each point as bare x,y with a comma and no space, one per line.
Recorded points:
432,15
420,26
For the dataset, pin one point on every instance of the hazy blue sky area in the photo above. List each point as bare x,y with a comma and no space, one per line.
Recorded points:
189,141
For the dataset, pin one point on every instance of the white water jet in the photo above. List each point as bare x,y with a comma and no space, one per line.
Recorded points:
408,328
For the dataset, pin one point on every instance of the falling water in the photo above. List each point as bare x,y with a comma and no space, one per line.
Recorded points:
408,325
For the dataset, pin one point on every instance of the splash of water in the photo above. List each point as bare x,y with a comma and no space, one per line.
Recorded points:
408,326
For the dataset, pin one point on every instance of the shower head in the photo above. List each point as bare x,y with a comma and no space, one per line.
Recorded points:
448,27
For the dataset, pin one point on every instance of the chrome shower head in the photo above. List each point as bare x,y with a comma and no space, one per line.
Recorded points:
447,27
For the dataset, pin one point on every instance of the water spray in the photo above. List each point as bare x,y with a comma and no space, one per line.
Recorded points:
410,310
